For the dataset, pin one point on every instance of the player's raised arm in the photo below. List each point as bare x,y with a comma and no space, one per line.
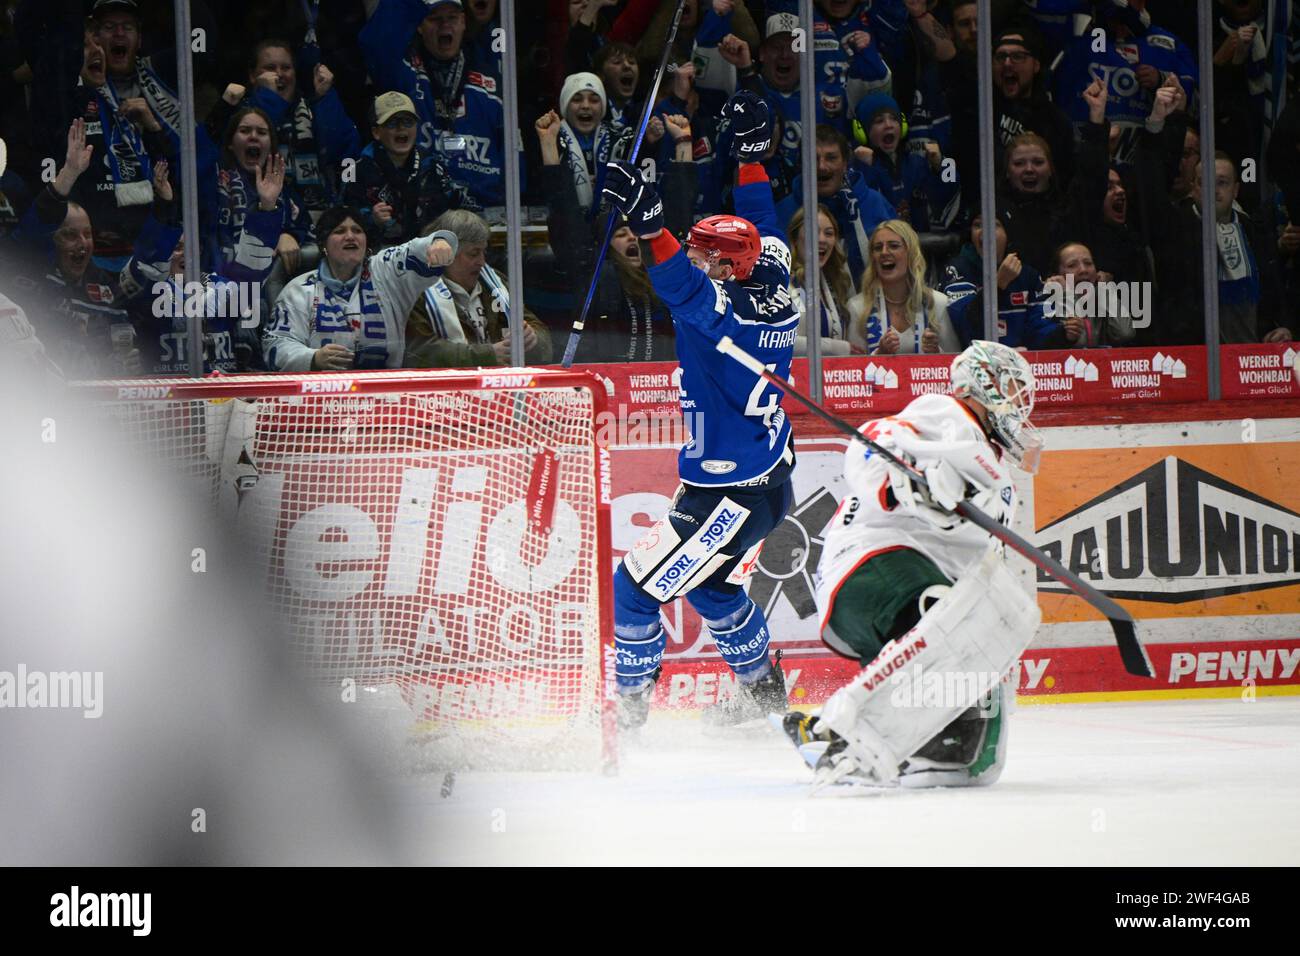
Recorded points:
718,249
751,139
684,289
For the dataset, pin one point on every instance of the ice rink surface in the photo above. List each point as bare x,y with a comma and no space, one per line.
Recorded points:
1212,782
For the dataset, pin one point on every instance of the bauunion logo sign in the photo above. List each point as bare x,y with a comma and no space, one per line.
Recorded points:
1175,533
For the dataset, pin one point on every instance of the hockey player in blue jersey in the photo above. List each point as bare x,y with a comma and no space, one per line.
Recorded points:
731,279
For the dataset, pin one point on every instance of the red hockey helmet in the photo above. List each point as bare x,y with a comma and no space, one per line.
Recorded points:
728,239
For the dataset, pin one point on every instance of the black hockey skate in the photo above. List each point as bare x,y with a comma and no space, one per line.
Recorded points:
753,701
812,742
800,728
634,709
824,751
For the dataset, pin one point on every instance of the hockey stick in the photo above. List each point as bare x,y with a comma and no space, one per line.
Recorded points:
575,333
1131,651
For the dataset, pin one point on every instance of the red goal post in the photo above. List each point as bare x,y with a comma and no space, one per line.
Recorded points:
446,534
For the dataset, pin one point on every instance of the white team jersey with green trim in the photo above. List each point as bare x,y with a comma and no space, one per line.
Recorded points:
865,525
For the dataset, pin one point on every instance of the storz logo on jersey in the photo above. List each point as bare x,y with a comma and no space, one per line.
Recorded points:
716,533
478,149
667,581
716,467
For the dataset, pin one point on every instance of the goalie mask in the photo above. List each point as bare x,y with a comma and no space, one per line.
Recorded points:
1001,380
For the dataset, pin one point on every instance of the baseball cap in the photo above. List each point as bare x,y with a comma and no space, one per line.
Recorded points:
388,105
443,3
1025,39
780,23
114,6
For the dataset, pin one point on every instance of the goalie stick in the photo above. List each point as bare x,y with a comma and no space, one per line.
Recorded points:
1131,651
575,333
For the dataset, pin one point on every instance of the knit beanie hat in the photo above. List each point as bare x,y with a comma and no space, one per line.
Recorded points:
874,103
576,83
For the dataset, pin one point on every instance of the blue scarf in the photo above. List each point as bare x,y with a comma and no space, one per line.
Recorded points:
1238,271
588,174
127,157
369,338
128,160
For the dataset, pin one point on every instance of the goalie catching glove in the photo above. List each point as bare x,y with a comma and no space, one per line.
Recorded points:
631,193
751,126
954,471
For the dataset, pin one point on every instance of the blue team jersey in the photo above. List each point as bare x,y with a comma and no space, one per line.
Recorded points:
1128,104
739,432
468,134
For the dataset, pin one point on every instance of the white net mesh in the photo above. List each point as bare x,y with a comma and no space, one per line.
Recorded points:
441,540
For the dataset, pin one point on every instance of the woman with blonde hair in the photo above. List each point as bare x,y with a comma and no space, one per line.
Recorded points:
836,284
896,312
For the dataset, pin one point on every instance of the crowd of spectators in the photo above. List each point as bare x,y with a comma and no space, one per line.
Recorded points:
352,154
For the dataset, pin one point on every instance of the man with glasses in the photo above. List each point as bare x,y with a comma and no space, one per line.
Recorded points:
133,118
400,187
1020,105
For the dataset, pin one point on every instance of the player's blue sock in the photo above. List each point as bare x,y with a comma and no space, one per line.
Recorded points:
639,636
739,630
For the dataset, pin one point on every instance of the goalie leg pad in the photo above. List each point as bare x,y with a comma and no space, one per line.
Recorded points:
739,630
964,644
969,752
876,601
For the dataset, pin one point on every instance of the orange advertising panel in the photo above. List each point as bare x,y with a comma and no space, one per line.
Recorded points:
1173,532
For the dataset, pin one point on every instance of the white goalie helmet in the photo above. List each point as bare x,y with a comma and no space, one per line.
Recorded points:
1001,380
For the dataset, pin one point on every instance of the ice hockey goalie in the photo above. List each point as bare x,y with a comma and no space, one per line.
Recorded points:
922,598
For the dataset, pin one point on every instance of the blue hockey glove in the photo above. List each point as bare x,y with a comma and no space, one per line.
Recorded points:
631,194
751,126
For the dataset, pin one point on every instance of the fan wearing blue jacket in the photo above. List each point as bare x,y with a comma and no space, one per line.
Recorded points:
857,208
1135,59
732,280
865,40
913,182
314,130
461,113
1021,317
777,81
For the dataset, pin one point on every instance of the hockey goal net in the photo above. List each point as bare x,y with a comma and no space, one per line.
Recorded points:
441,535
